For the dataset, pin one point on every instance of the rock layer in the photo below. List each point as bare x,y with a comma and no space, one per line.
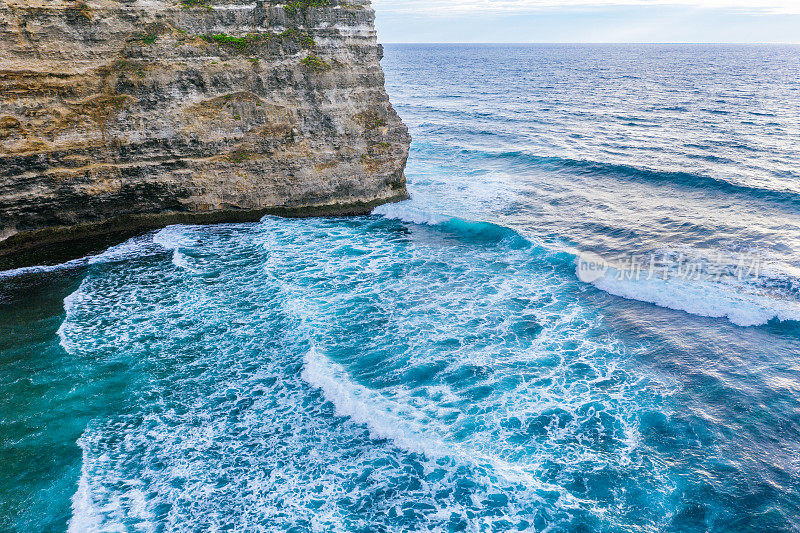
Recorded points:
118,116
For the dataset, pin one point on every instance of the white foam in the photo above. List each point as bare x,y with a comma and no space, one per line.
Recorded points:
740,303
407,426
405,212
384,418
743,305
173,237
132,248
180,261
71,305
135,247
413,416
94,508
43,269
85,516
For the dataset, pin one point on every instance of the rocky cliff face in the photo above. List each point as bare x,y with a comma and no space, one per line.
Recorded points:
117,116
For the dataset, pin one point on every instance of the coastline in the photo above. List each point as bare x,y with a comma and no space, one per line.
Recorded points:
54,245
187,112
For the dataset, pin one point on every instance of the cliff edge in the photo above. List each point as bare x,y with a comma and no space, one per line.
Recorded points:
116,117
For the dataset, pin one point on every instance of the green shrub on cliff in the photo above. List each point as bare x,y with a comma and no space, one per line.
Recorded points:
188,4
240,44
239,156
304,38
147,38
296,6
314,63
82,10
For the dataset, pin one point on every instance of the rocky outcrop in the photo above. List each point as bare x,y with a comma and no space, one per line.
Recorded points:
116,116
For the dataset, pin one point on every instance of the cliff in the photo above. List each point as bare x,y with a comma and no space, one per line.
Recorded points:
120,116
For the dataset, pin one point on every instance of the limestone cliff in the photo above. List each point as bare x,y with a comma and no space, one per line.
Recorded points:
117,116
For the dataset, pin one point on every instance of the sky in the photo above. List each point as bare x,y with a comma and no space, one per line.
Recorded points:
588,21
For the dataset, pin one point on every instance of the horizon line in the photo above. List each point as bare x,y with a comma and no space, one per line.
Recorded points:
611,43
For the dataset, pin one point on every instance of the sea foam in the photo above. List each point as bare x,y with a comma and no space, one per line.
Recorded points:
407,426
384,418
742,303
135,247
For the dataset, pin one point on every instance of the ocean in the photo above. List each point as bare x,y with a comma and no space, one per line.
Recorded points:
587,318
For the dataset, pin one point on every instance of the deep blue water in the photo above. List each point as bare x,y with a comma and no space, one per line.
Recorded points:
446,364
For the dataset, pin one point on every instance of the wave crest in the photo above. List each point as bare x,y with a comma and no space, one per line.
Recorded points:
744,303
467,229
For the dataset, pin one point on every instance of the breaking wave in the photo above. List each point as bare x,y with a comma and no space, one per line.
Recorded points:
747,302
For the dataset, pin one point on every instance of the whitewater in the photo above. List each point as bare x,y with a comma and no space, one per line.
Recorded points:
482,357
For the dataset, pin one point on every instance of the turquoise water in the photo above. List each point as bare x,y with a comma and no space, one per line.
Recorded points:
440,365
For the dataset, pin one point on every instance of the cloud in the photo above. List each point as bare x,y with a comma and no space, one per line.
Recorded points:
462,7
